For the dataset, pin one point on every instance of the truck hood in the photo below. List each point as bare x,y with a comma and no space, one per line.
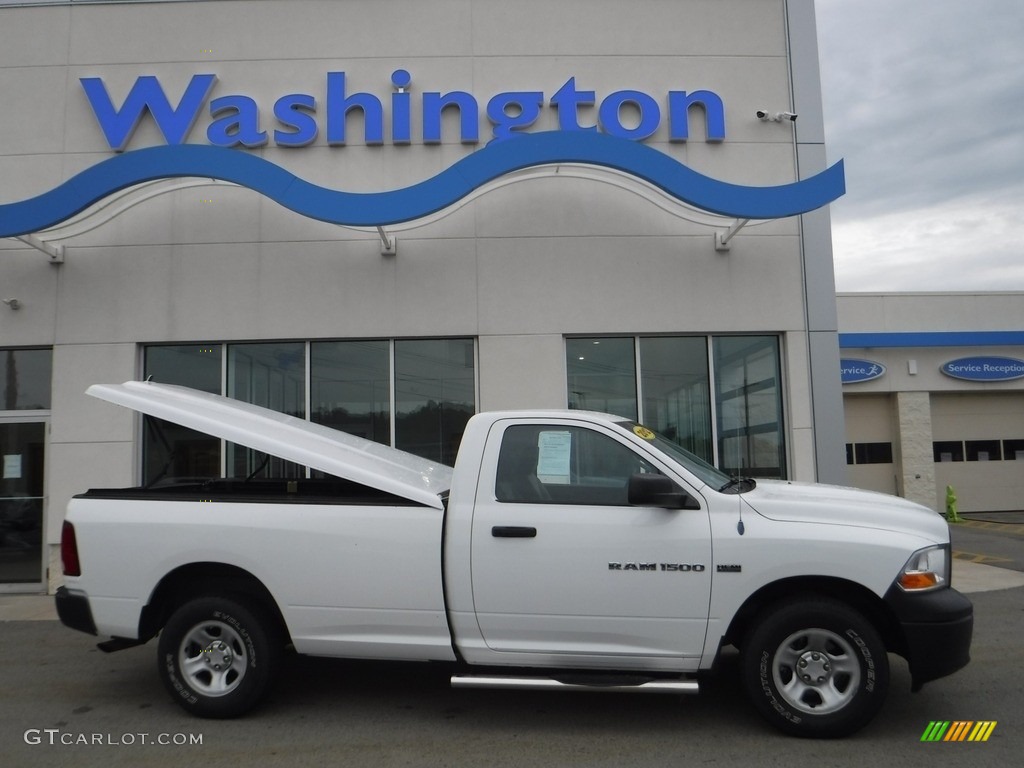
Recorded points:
313,445
835,505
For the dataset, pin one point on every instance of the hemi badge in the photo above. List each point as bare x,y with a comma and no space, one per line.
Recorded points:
730,568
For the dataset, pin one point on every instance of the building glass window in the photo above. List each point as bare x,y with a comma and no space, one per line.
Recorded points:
168,449
676,391
748,396
602,375
350,385
1013,450
664,382
25,376
874,453
435,394
429,391
22,495
948,450
271,375
983,450
26,379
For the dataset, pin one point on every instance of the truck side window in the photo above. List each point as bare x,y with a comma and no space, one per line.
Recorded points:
554,464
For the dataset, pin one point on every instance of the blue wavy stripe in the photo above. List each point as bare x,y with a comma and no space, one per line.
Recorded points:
418,200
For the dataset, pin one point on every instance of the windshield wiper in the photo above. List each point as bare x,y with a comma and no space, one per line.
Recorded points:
738,484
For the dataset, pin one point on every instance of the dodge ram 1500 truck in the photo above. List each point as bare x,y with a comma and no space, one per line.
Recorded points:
565,549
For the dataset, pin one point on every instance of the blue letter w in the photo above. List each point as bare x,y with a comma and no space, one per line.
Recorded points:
147,94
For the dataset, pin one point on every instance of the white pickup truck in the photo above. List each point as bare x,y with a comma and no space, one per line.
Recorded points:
566,549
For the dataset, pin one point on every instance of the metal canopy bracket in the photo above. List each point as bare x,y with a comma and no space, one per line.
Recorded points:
388,243
54,252
722,237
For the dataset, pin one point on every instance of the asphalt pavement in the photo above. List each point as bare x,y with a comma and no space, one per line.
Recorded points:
62,702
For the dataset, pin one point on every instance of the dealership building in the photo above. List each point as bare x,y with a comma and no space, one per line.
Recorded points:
385,216
933,390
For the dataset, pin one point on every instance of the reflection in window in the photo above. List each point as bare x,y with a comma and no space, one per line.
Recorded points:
948,450
170,450
435,395
874,453
272,375
555,464
351,387
676,391
675,399
22,451
749,399
602,375
25,380
189,365
984,450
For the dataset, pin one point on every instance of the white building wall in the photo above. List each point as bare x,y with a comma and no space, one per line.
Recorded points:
517,268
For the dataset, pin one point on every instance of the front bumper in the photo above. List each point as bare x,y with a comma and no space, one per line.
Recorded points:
73,610
937,629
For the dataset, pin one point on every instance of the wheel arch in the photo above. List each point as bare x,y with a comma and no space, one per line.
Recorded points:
794,589
193,580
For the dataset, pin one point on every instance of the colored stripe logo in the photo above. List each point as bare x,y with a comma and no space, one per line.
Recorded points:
959,730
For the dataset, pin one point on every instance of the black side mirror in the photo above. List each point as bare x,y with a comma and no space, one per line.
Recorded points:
650,490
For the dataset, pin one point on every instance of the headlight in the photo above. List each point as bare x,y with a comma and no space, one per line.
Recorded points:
926,569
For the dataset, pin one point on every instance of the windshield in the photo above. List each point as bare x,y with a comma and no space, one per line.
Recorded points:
710,474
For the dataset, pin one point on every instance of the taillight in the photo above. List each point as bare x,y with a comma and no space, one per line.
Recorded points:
69,551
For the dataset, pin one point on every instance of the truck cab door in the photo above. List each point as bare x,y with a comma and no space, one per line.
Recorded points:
563,566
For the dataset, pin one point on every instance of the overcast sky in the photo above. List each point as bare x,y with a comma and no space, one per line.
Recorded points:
924,100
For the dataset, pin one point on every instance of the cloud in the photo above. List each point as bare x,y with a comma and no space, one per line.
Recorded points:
967,244
923,100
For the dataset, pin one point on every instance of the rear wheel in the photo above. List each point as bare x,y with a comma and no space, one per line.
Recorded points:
218,656
815,668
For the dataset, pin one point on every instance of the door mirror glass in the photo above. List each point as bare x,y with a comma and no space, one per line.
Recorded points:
649,490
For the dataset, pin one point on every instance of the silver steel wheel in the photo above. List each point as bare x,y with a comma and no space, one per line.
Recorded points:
212,658
816,671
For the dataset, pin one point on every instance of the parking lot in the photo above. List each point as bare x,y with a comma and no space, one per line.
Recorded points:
63,702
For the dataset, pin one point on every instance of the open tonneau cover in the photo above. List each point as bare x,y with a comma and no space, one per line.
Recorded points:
314,445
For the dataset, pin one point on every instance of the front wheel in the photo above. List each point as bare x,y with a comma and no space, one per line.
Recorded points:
217,657
815,668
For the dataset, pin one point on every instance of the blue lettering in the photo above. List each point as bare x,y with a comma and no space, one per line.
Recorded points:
434,104
339,105
679,104
610,111
296,111
400,133
513,110
240,124
147,95
236,119
566,102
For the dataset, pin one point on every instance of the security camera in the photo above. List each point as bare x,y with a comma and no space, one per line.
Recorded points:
775,117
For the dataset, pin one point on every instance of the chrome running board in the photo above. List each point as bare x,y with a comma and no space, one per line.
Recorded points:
592,683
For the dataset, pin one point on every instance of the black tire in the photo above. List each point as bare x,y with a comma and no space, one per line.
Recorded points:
217,657
815,668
